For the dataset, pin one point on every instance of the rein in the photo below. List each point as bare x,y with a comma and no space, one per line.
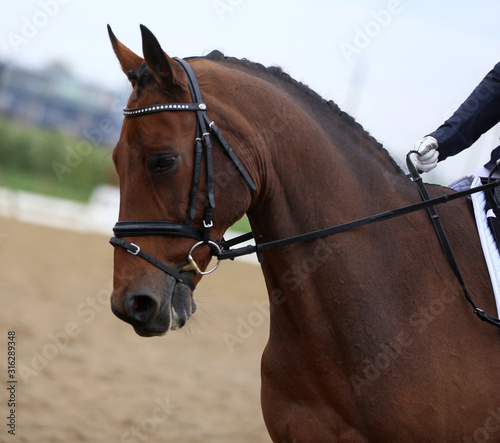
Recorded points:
222,250
443,239
382,216
426,203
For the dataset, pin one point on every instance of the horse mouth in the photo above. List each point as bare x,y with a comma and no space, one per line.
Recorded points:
152,317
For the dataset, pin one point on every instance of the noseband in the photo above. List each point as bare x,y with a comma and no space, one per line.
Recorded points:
202,145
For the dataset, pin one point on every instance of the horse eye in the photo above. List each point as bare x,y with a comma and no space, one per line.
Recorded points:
164,163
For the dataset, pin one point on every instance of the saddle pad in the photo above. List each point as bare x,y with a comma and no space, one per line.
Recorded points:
490,249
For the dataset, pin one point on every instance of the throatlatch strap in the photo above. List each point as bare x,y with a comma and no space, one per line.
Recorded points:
229,151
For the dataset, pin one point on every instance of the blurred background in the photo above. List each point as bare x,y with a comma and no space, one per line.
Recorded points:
400,67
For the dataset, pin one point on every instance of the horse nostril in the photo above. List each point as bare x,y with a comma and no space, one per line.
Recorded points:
142,308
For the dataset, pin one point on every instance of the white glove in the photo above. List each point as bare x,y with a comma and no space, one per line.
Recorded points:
427,154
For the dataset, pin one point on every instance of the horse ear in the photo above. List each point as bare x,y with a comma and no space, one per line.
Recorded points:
129,61
166,71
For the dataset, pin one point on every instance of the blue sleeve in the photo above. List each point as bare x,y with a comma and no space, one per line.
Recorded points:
479,113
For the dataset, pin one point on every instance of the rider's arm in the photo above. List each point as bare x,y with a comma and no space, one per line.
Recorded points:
479,113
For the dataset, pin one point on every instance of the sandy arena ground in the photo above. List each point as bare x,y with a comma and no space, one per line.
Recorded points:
85,376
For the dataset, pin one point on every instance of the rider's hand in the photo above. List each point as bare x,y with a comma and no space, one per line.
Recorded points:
427,154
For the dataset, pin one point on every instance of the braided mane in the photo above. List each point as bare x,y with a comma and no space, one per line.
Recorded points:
331,106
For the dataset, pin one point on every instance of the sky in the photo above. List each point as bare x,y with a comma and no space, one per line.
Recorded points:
400,67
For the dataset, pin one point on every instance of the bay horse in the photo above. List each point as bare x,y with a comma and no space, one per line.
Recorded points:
370,336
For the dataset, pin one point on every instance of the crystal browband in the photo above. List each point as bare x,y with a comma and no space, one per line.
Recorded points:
130,112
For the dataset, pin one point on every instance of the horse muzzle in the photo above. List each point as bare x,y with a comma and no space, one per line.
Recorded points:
155,315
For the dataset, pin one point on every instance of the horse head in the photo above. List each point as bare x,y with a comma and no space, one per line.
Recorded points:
166,178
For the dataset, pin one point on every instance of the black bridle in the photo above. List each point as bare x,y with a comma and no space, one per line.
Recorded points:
202,145
222,250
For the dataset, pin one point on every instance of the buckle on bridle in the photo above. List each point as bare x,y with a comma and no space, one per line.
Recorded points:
193,266
137,249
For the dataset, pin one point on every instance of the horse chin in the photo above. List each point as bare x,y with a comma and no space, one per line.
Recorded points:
182,306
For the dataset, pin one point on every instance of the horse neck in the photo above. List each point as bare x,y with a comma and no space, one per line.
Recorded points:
321,172
314,171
